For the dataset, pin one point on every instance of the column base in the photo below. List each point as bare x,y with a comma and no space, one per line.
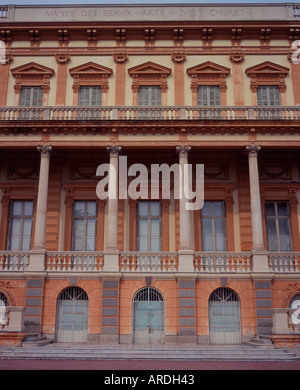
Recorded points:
186,260
260,261
111,261
37,260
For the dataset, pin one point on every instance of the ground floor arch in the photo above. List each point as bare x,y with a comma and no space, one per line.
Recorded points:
72,316
148,317
224,317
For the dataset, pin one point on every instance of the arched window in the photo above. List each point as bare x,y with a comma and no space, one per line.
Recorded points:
3,305
148,316
72,315
224,317
295,304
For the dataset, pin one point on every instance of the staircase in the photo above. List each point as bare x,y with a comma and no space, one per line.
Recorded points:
34,340
145,352
264,342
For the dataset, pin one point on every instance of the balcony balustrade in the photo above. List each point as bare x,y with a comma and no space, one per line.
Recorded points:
222,261
204,262
76,113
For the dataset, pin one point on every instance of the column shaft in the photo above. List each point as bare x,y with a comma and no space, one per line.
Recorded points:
112,226
185,243
41,212
256,215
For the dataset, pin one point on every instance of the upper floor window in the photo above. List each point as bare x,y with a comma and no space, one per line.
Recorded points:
31,97
149,226
90,96
268,95
208,95
213,219
149,96
278,226
20,225
84,226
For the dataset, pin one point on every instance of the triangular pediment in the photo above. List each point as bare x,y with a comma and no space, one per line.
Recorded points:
90,68
267,67
208,67
32,68
150,68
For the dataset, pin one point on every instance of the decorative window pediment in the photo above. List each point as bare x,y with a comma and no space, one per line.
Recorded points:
267,73
208,73
90,74
32,74
149,73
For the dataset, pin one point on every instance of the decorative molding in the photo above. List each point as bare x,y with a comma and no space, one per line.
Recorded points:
23,172
62,57
208,73
178,57
253,150
83,172
45,150
216,171
236,57
113,150
32,74
183,150
275,171
90,74
120,58
149,73
267,73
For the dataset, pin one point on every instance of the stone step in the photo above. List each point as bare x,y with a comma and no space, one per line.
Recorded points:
35,340
245,354
263,342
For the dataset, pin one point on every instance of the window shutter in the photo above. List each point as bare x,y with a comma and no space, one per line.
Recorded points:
31,97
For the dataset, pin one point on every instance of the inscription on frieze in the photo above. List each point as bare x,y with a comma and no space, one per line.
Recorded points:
130,13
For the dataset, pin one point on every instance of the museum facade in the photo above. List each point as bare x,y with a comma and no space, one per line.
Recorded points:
93,100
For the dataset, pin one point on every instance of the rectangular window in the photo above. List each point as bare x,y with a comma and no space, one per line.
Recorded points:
31,97
149,226
90,96
149,96
208,95
278,226
268,95
213,220
84,226
20,225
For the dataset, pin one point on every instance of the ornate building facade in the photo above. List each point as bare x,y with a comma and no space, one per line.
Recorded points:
83,86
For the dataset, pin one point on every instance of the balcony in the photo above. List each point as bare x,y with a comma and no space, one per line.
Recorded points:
107,113
149,262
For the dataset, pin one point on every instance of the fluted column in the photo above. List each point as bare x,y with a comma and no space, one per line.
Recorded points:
41,211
